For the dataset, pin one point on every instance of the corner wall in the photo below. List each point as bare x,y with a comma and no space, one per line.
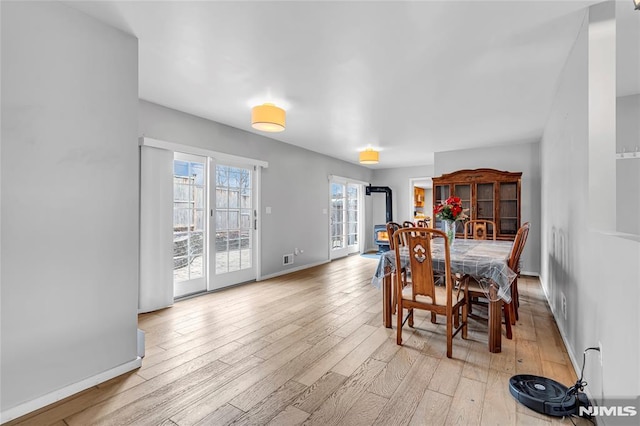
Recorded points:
69,204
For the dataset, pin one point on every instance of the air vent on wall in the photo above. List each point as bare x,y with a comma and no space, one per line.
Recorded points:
287,259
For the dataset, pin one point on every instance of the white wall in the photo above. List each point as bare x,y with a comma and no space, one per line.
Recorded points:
69,202
295,185
598,273
398,180
628,170
523,158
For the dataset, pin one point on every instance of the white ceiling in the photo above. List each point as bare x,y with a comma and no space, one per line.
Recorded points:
408,78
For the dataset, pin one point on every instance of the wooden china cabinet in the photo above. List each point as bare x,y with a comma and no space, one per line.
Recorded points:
487,194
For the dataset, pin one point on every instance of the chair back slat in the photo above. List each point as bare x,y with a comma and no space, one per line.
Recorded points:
391,228
418,243
479,229
518,247
424,223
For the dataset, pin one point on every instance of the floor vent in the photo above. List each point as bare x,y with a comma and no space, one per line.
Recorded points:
287,259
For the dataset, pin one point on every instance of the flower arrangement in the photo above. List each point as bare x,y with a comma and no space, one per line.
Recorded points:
451,209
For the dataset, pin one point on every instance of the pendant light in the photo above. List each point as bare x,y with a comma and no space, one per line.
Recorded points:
268,118
369,156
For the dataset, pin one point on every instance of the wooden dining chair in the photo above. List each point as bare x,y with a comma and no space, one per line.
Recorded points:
514,265
482,229
408,224
392,227
422,292
479,229
510,310
424,223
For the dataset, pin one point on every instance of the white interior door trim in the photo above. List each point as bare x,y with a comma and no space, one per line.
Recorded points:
346,179
412,184
187,149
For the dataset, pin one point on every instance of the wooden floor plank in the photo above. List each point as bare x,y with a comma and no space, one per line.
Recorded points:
498,407
405,400
335,355
477,364
396,370
222,416
335,408
273,381
356,357
466,406
366,409
446,378
271,405
290,416
210,402
318,392
432,409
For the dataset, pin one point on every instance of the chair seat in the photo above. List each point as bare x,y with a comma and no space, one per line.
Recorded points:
476,290
441,295
474,286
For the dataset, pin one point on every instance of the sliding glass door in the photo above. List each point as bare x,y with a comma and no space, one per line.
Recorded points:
345,219
235,224
189,224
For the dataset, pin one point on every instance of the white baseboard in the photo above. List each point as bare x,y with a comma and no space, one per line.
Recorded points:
531,274
572,358
50,398
288,271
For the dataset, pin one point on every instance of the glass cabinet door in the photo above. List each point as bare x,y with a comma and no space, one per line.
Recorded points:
485,204
508,208
463,191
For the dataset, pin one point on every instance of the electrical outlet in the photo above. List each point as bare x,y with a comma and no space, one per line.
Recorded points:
600,352
287,259
564,305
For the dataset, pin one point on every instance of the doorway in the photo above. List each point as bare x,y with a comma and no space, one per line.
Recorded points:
421,198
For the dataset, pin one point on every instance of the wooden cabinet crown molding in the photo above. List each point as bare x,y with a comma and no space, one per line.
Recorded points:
472,175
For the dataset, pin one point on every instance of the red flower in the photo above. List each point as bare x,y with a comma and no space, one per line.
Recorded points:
450,209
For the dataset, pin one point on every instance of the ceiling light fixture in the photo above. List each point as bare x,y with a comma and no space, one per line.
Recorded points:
636,3
268,118
369,156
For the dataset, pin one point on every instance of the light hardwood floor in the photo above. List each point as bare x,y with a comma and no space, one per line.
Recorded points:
309,348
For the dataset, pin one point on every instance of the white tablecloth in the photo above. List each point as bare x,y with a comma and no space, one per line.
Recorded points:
485,260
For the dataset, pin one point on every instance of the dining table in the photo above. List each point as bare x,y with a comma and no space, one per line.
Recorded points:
485,260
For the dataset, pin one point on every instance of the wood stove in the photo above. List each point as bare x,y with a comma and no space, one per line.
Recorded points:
381,237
